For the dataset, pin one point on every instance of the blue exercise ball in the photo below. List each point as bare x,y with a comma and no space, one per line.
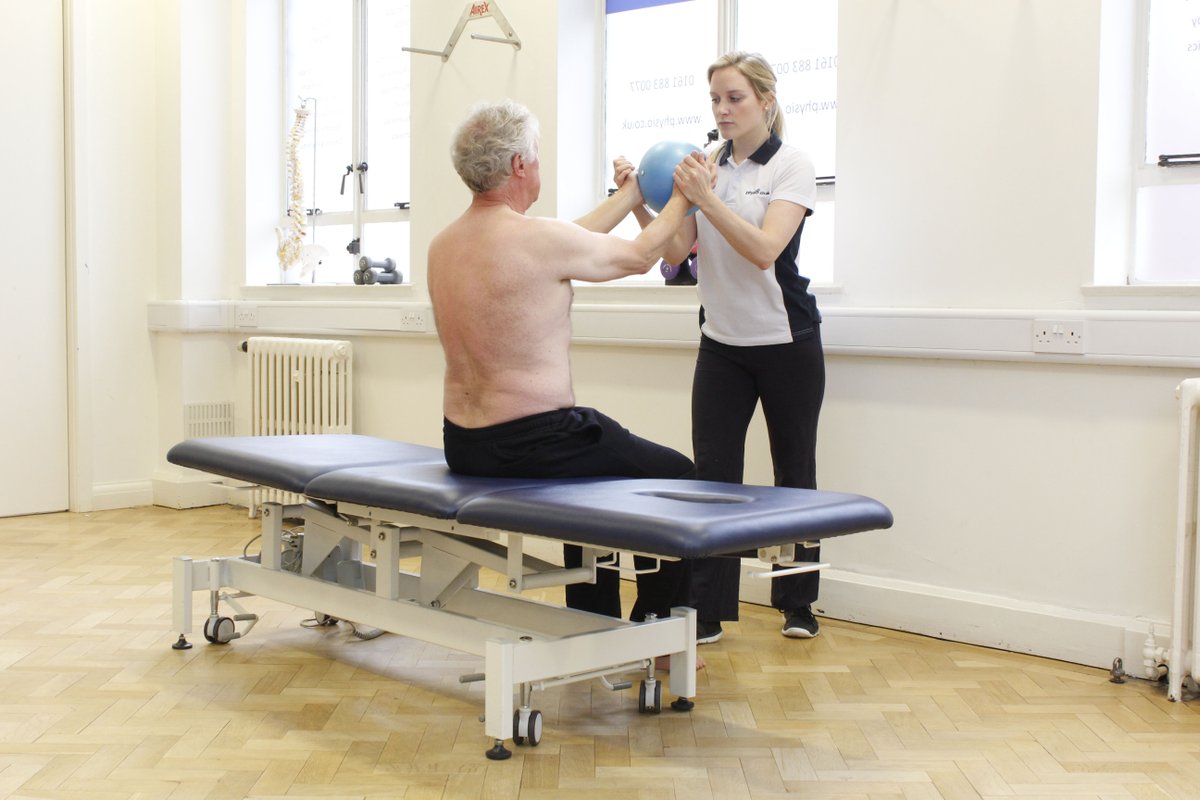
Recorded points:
656,173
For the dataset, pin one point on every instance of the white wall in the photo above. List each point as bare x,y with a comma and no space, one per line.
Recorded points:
443,92
1034,502
966,152
160,218
118,167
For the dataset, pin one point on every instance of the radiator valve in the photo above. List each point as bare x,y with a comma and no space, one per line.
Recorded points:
1154,658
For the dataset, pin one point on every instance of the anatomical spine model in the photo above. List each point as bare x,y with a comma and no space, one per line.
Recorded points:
297,259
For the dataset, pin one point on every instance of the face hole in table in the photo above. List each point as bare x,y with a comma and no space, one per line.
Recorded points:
698,497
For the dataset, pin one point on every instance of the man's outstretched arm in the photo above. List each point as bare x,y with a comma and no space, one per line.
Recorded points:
604,217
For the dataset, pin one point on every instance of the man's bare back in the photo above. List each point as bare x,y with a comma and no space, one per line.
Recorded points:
504,318
500,283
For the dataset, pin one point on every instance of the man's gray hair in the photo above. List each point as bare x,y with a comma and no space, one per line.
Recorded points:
486,141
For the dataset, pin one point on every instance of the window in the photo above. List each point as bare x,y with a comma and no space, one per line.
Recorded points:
800,40
345,68
1167,172
656,91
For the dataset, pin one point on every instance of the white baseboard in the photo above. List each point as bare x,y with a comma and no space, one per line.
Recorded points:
972,618
107,496
187,491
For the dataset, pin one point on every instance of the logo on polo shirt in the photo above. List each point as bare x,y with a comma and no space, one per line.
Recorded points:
757,191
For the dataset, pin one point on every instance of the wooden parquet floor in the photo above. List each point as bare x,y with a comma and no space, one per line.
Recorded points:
95,704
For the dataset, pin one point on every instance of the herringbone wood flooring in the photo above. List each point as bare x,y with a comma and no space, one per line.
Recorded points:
95,704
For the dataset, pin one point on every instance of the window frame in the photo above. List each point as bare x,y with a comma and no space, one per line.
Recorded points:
1145,171
360,214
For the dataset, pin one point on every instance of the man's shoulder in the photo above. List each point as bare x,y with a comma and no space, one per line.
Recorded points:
451,231
474,220
538,233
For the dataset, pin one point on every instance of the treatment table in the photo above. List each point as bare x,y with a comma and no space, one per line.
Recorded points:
372,503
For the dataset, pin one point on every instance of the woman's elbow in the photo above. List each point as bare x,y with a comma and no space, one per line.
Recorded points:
765,259
676,255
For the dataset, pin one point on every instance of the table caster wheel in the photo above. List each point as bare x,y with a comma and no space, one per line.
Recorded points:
219,630
650,701
527,730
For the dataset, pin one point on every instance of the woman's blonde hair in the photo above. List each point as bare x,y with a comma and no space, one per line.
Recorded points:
762,80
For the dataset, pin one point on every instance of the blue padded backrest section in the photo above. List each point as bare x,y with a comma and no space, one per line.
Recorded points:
428,489
677,518
291,462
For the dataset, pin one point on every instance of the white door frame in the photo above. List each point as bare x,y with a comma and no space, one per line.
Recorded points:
78,300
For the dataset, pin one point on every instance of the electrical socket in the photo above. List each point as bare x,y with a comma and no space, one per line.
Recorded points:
246,316
1059,336
412,319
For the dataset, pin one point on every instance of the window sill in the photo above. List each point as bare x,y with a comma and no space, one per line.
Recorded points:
391,292
1113,337
660,294
1144,297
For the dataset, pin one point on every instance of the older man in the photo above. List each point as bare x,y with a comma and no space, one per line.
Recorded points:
500,282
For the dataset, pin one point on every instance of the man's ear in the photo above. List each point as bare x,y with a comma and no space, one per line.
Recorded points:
518,165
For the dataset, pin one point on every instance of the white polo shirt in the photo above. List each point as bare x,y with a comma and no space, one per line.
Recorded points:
741,304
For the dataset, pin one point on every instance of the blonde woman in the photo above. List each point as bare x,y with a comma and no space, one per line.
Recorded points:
760,326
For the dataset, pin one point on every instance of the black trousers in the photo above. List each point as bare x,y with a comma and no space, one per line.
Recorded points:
789,381
579,442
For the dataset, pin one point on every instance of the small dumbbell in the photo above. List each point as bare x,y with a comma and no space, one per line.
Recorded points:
387,264
367,274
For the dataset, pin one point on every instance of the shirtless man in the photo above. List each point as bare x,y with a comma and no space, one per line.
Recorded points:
500,282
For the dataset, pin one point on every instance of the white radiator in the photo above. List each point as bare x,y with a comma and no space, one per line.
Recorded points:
1185,624
299,386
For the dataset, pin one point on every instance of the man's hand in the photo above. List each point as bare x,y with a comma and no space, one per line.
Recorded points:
625,173
622,169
